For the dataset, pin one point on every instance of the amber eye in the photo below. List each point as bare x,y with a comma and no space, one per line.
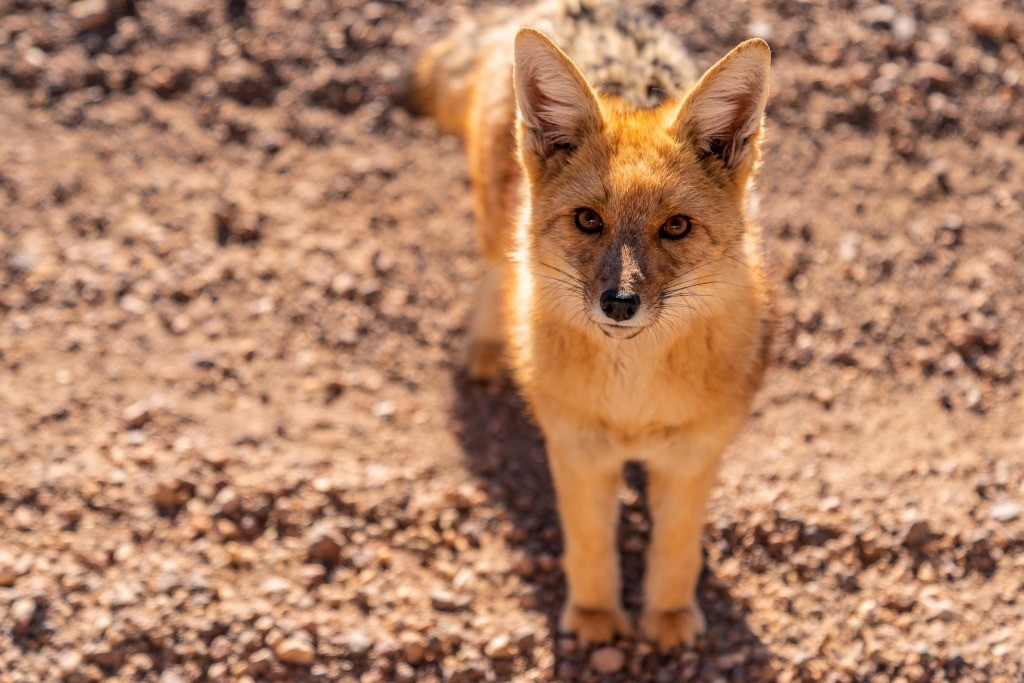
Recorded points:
588,220
676,227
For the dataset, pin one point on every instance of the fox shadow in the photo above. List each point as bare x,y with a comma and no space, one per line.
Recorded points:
504,448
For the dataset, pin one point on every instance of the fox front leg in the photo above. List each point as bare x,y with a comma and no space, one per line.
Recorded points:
587,488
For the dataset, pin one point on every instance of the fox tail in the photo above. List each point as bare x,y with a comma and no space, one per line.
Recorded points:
440,82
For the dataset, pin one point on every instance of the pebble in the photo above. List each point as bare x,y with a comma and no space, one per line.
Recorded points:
904,28
404,673
199,618
323,544
446,601
358,643
607,660
312,574
500,647
103,653
171,495
849,247
1005,512
22,612
938,609
70,662
90,15
385,409
136,415
525,637
917,533
297,649
414,647
879,16
8,575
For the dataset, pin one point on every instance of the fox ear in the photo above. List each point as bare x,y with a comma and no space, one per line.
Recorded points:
556,104
722,114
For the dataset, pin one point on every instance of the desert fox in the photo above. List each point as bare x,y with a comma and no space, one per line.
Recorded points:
624,281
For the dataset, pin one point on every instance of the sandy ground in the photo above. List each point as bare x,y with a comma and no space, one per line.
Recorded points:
235,442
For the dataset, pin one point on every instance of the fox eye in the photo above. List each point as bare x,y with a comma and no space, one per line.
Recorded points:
676,227
588,220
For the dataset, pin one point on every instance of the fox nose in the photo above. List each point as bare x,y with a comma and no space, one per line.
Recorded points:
619,306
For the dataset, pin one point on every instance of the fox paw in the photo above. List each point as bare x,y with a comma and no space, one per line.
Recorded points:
670,628
483,359
594,625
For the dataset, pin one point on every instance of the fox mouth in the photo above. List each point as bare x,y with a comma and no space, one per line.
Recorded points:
621,332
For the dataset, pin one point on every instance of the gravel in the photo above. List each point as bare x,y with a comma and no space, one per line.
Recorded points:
235,282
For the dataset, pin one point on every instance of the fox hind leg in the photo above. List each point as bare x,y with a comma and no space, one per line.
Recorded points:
494,173
485,345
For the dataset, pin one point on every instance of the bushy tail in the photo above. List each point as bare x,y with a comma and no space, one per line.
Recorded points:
441,81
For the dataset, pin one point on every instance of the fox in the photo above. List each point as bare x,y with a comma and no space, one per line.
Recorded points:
625,290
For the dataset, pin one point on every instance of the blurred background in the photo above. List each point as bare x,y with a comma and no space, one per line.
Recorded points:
234,284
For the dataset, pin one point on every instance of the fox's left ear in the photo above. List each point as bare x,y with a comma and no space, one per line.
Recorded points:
722,114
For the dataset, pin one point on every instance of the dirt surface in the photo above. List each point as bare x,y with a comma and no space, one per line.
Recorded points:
235,281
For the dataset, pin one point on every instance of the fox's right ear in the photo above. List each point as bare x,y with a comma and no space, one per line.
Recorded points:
556,104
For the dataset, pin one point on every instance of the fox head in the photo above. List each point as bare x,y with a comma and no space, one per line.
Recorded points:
636,217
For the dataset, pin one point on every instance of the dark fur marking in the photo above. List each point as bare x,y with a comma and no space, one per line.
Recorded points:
585,13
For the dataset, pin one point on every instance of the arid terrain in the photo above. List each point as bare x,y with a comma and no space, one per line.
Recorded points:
236,443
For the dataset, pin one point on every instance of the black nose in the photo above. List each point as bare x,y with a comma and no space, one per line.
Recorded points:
619,306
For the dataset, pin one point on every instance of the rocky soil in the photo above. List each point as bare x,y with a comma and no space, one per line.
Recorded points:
234,283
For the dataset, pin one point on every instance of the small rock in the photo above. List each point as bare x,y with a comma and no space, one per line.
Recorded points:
990,23
825,396
935,75
607,660
525,566
917,534
904,28
275,585
830,503
414,648
358,643
385,409
525,637
500,647
323,544
297,649
244,81
1004,512
136,415
312,574
404,673
730,660
227,502
70,662
11,569
104,654
938,609
343,284
849,247
169,496
446,601
90,15
879,16
22,611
